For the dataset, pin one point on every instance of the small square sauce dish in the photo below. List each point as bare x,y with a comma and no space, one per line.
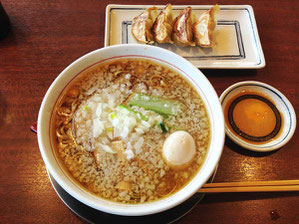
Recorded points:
257,116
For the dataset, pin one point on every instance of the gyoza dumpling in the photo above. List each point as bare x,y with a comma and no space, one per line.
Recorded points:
182,28
163,26
142,25
204,26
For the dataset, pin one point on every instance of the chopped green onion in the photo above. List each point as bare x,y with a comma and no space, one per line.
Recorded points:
157,104
110,129
85,107
127,108
164,128
112,115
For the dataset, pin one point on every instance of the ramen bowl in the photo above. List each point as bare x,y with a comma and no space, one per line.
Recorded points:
166,58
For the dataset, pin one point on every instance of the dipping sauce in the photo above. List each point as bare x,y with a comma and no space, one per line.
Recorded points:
253,116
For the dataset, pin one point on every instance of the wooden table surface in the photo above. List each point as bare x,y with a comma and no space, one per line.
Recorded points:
46,36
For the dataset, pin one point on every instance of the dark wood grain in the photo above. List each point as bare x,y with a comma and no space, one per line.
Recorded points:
46,36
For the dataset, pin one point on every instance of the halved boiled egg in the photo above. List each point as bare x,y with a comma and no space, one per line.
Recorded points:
179,150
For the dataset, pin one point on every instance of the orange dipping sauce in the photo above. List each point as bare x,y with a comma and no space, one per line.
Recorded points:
253,117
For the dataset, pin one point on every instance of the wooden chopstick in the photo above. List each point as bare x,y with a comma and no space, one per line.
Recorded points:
254,183
257,186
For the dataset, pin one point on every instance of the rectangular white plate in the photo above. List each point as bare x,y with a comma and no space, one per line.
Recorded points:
237,43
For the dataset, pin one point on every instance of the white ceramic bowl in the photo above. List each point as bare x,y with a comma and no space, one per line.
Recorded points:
186,69
282,104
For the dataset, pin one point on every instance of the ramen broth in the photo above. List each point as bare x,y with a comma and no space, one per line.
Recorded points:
111,123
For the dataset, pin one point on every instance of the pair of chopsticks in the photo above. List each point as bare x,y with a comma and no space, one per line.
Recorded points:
258,186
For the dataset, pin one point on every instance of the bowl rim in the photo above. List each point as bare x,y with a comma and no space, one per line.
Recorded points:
282,98
150,207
